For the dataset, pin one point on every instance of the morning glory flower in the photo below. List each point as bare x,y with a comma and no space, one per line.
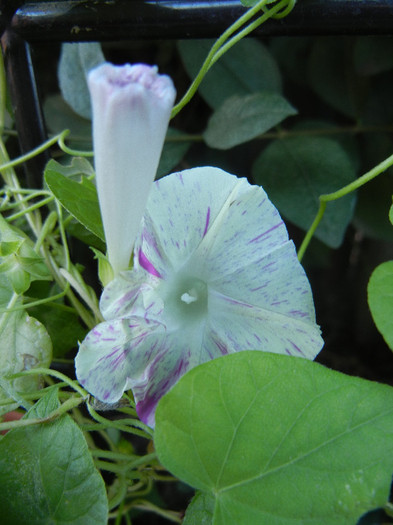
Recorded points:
214,273
131,110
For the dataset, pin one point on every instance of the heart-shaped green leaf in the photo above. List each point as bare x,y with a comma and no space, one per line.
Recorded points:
278,440
295,171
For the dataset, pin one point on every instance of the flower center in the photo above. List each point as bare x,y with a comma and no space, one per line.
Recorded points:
186,299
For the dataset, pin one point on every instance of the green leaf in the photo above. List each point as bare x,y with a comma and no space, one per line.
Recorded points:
24,344
78,198
380,299
63,326
200,511
76,170
47,475
20,263
332,76
242,118
296,170
278,440
75,62
246,68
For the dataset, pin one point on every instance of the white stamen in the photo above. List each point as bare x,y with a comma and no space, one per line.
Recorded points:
190,297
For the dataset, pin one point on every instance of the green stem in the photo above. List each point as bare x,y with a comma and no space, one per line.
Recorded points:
65,407
215,51
119,424
248,29
38,302
53,373
29,209
33,153
70,151
328,197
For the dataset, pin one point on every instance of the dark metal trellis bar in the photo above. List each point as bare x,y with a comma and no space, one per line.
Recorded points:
25,23
81,20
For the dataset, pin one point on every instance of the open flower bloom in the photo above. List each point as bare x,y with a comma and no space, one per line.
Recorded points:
214,274
131,111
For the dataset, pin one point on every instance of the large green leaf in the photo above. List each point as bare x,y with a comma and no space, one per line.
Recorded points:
296,171
246,68
47,476
78,198
278,440
242,118
380,299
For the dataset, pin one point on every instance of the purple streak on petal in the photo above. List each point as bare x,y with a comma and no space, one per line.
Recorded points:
105,357
259,237
258,288
223,349
207,221
298,313
297,349
146,264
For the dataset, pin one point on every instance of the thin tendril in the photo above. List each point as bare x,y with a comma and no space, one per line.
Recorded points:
328,197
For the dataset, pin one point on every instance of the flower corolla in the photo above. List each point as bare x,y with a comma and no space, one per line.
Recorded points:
214,273
131,107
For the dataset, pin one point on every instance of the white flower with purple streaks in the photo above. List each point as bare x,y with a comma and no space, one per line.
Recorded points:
214,273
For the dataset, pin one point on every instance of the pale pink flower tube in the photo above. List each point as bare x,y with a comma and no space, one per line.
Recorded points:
131,107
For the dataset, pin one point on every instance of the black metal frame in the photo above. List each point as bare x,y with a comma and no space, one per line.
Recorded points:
26,23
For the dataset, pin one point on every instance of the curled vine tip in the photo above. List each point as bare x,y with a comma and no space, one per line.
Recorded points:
284,11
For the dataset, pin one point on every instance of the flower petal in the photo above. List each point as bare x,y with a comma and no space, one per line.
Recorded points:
114,353
131,293
180,210
235,326
177,355
275,282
